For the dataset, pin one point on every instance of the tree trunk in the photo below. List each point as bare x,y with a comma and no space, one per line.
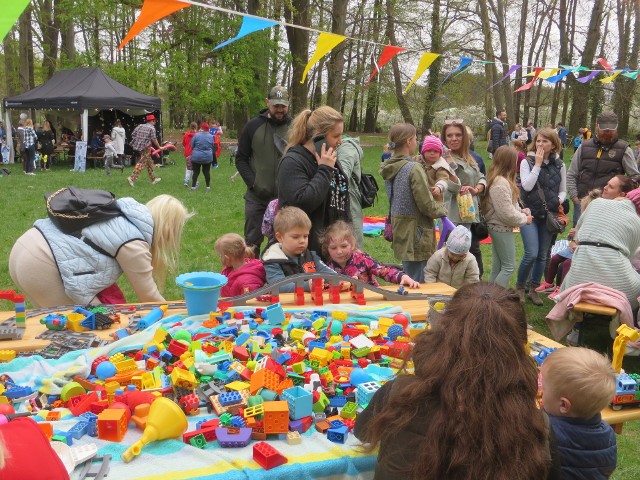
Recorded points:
580,91
335,65
298,39
390,33
373,92
506,88
623,87
524,12
434,70
26,50
11,65
489,68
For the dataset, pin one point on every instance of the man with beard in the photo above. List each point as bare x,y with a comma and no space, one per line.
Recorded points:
599,159
260,147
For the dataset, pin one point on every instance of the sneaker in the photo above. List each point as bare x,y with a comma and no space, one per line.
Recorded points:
208,189
215,165
157,180
193,189
186,184
546,287
130,181
32,174
554,294
573,337
535,298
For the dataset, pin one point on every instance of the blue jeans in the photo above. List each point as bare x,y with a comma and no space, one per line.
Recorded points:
536,240
576,213
415,269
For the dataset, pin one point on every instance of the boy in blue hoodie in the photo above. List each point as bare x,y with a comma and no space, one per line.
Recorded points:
290,255
577,383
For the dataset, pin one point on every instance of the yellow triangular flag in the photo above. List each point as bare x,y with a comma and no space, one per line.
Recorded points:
326,43
611,78
425,61
549,72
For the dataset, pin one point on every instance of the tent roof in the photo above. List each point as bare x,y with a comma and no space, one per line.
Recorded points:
82,88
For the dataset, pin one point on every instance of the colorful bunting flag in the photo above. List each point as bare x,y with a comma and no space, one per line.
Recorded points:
631,75
426,60
464,61
152,11
560,76
533,80
586,78
506,75
249,25
611,78
326,43
549,72
11,11
387,54
604,64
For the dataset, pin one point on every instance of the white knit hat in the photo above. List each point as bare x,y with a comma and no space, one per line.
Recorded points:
459,241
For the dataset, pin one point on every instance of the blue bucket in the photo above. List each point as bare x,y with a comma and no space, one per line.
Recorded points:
201,291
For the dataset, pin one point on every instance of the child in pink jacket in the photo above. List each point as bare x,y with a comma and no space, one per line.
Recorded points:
244,272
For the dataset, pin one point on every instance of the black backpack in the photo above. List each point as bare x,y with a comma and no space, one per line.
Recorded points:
368,190
72,209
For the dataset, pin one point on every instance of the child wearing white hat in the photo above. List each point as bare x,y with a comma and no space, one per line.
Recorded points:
453,264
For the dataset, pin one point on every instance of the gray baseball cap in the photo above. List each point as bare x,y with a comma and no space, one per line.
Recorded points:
279,96
607,121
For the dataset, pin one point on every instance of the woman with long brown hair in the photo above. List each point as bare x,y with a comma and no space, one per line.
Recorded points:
455,136
502,213
469,412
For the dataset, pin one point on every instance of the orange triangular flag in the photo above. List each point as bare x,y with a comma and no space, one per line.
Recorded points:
326,43
152,11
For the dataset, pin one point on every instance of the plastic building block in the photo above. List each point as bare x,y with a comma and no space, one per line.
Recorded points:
112,424
226,439
267,456
366,391
198,441
338,435
300,402
294,438
230,398
276,417
274,314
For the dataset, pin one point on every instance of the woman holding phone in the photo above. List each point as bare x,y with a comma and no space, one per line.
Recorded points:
309,174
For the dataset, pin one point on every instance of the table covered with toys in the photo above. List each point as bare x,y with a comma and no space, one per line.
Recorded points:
264,389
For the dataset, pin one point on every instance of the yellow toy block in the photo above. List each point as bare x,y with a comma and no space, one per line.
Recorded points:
227,346
183,378
297,333
321,355
148,381
318,324
3,399
136,381
384,323
339,315
125,365
298,367
73,322
7,355
253,411
238,386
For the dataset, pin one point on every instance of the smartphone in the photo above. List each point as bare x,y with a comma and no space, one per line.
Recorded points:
318,141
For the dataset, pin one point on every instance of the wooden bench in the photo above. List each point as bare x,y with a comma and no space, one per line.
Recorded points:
582,308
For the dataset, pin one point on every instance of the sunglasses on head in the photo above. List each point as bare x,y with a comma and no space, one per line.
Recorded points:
454,121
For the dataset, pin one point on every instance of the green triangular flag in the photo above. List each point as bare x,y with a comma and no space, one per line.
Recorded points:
11,11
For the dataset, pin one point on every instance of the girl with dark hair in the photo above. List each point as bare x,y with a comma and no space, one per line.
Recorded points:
469,412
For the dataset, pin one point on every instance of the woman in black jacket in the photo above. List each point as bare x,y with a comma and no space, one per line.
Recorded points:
309,175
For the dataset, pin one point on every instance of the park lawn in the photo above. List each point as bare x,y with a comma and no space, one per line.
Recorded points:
217,212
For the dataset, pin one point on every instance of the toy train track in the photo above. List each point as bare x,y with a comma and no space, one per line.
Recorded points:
270,290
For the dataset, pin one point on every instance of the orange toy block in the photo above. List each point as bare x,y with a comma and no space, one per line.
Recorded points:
276,417
47,429
264,378
112,424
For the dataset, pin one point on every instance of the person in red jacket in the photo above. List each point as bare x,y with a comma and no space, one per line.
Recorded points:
245,273
186,143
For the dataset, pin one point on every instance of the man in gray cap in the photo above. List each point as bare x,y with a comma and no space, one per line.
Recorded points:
599,159
260,148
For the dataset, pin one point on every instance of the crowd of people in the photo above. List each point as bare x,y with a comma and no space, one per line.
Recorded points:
302,176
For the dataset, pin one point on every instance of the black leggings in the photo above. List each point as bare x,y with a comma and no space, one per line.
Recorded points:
206,170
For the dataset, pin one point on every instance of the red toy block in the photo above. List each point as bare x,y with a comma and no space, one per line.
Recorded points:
267,456
299,295
238,316
317,289
82,403
151,364
98,407
307,423
177,348
97,362
209,434
222,306
334,294
214,422
241,353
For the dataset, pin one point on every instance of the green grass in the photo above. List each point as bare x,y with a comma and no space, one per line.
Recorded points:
218,212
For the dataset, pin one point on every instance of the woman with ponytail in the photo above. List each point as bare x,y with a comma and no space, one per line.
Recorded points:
309,175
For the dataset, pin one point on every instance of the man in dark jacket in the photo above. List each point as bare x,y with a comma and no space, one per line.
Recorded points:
598,159
260,148
498,131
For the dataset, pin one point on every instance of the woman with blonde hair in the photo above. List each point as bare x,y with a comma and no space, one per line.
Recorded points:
472,181
52,268
310,176
502,213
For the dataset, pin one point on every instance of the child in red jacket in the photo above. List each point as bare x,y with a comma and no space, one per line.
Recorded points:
244,272
186,143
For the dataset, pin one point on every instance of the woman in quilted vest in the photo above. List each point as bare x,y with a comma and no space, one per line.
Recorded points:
543,189
52,268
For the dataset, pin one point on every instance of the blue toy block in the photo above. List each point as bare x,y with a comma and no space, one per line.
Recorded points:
19,307
229,398
238,422
224,365
237,440
17,391
79,429
166,356
121,333
92,429
89,417
338,435
243,338
274,314
300,402
336,424
316,344
226,316
366,391
284,358
338,401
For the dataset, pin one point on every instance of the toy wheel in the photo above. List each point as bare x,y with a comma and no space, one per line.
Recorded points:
616,407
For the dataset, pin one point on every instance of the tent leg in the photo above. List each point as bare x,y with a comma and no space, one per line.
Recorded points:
85,125
9,129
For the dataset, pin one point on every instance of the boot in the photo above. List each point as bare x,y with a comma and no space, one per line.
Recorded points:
534,297
521,293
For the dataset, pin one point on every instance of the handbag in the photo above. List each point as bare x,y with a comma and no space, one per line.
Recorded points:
72,209
387,233
553,223
480,229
